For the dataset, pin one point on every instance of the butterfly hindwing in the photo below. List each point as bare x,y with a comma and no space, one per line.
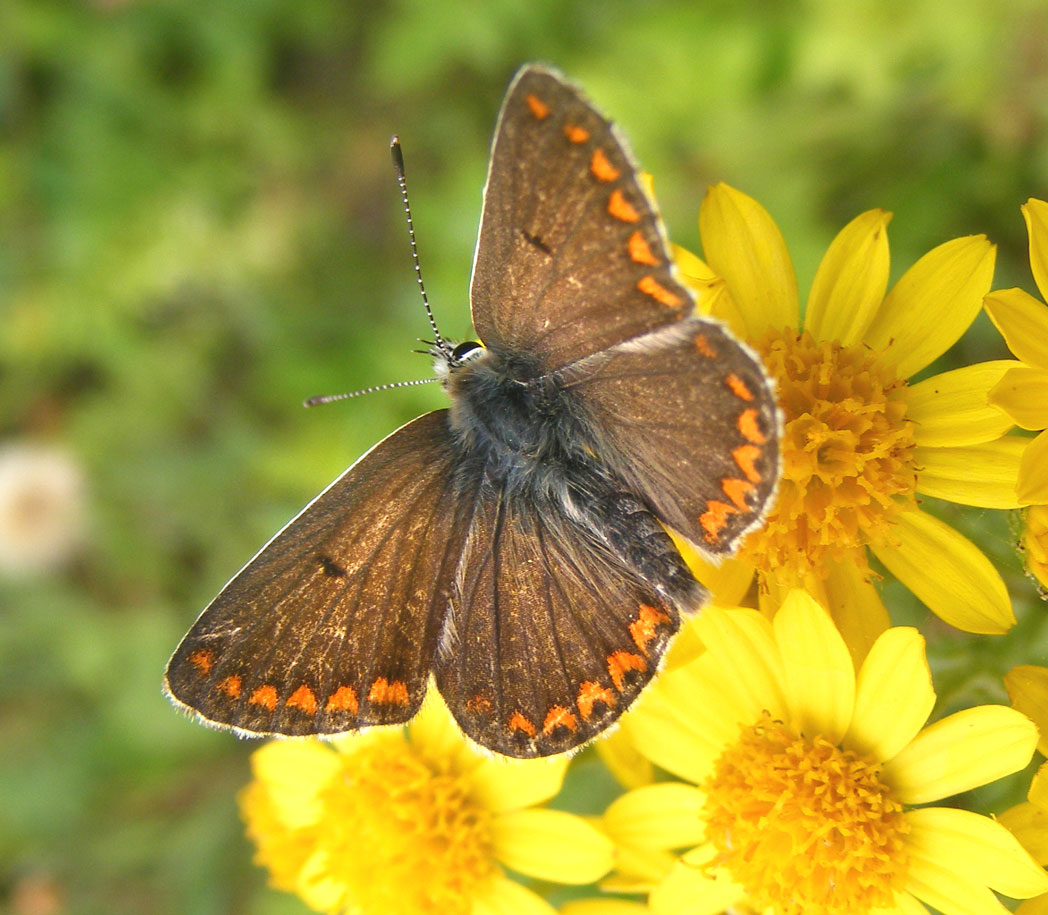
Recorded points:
551,639
334,624
571,256
688,414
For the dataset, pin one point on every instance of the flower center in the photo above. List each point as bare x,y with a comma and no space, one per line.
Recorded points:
404,834
806,827
847,454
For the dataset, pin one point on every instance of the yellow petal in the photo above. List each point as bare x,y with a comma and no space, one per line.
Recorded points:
819,676
706,700
950,409
855,606
727,582
294,773
503,896
938,884
551,845
688,889
948,573
894,694
969,748
1029,824
1022,321
669,737
438,739
933,303
1023,395
1035,212
742,244
982,475
905,904
1027,687
850,282
618,751
1038,906
1033,472
666,815
603,907
501,784
1038,793
742,651
977,847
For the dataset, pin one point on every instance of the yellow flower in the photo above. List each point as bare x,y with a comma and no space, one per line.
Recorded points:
1029,822
860,442
1035,543
1023,322
414,820
802,779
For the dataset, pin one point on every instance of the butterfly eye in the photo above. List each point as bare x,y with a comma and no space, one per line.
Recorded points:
466,352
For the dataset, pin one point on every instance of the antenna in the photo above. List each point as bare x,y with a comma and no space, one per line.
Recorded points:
331,398
440,342
398,170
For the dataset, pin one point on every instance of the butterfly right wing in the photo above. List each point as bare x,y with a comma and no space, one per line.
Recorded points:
334,624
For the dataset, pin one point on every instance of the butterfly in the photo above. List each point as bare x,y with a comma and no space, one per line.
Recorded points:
513,547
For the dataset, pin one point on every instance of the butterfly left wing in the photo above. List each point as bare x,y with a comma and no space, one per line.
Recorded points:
334,624
551,639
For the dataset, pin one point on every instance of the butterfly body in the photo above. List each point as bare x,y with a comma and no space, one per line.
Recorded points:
514,545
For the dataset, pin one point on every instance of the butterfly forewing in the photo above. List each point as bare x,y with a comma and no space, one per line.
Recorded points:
334,624
552,639
571,257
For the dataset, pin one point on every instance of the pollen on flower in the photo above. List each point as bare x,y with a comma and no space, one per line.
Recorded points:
397,834
847,454
804,825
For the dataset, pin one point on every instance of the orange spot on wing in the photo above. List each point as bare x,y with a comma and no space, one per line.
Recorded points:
642,629
737,491
517,722
640,250
621,208
602,169
343,699
702,344
303,698
385,692
539,109
715,517
559,717
266,696
203,660
620,663
750,427
576,134
231,686
745,457
650,286
479,705
590,693
738,387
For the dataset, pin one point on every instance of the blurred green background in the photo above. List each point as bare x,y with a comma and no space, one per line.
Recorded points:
199,227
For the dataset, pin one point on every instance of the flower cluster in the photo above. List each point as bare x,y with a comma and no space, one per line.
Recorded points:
791,758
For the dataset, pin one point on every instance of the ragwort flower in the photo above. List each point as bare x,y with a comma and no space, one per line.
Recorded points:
802,779
861,443
413,820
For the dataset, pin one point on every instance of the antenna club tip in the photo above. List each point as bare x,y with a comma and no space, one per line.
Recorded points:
394,141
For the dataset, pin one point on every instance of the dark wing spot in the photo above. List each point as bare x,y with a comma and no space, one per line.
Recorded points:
536,241
331,568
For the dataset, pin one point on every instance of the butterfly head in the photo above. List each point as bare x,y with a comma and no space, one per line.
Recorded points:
448,359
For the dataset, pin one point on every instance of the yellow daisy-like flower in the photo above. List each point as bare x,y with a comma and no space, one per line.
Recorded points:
804,779
1029,822
1023,391
414,820
860,442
